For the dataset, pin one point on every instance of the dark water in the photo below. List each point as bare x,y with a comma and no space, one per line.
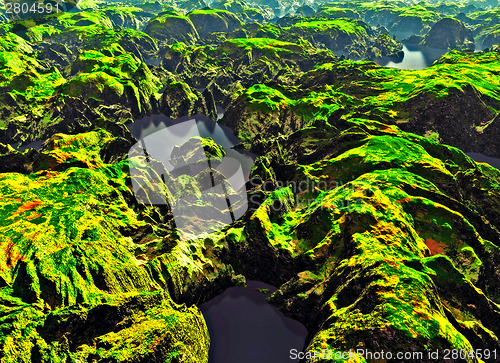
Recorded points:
203,127
37,145
244,328
484,159
224,136
416,57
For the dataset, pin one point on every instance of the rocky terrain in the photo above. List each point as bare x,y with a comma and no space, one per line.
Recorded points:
391,242
449,33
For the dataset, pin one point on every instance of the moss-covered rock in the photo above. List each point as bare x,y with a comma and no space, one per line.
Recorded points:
172,28
376,238
335,34
111,78
78,266
241,61
430,100
354,37
363,224
330,12
179,100
449,33
210,21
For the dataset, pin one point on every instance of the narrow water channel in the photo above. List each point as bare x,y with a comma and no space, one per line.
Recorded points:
245,328
480,158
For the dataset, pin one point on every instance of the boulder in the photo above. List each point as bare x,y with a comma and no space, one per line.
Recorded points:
305,10
179,100
210,21
449,33
172,28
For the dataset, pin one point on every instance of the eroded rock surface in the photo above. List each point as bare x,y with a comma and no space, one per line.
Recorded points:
377,234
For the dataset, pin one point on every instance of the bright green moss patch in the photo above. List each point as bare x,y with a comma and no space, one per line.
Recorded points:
385,91
164,325
454,71
420,11
37,86
265,44
96,82
10,42
84,148
13,64
315,105
66,20
339,25
105,77
336,12
410,310
383,246
208,11
120,65
66,266
26,76
266,98
370,214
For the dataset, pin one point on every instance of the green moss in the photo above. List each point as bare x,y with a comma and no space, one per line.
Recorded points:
336,12
265,44
119,64
345,26
421,12
453,72
382,192
383,91
13,64
10,42
161,325
315,105
95,83
379,229
212,149
208,11
67,266
265,98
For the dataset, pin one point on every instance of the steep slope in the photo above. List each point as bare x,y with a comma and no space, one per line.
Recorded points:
449,33
377,237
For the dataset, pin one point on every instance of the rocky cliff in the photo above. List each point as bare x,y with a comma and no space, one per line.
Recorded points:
364,211
449,33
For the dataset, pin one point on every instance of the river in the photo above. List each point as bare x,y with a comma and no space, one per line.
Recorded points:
245,328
